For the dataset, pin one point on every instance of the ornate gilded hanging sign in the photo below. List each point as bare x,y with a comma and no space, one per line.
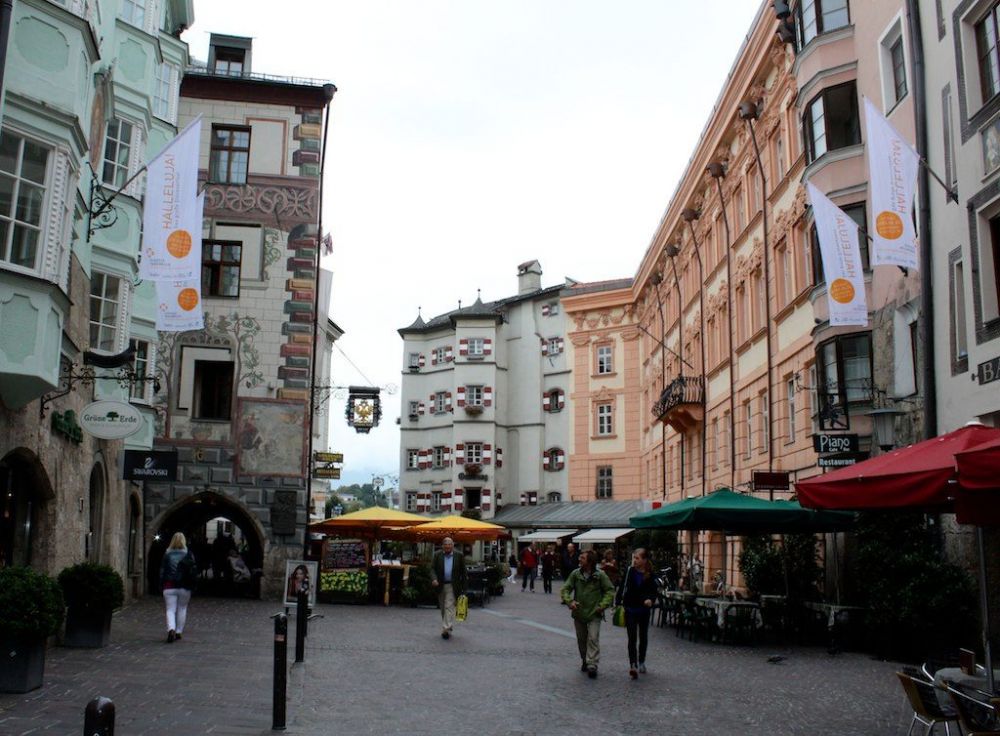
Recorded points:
364,409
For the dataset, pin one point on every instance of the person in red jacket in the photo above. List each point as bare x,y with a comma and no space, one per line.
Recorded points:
529,566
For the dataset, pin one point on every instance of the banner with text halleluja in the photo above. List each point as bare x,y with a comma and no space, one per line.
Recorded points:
169,227
179,301
838,244
892,172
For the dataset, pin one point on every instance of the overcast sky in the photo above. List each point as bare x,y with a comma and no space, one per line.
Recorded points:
467,137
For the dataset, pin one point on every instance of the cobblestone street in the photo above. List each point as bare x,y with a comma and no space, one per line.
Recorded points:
512,668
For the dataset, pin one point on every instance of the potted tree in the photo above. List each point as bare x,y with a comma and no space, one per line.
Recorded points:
92,592
31,610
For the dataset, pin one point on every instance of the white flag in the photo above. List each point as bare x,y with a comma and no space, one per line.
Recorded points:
168,224
892,171
838,244
179,306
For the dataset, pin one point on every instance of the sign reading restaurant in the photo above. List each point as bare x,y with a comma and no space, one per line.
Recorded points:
111,420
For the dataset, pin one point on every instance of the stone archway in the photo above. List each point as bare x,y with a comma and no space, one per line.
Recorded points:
25,511
191,514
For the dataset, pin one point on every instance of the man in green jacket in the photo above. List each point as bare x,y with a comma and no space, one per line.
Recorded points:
588,591
449,578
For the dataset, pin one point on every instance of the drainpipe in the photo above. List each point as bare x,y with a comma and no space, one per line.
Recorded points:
924,221
717,170
328,91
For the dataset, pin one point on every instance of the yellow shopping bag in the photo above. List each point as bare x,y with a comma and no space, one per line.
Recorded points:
461,607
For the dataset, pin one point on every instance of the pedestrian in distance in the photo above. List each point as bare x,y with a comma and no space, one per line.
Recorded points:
548,567
588,592
448,577
529,567
570,560
636,594
512,563
610,566
178,575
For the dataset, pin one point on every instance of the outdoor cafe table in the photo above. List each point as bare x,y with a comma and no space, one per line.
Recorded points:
832,610
721,605
955,676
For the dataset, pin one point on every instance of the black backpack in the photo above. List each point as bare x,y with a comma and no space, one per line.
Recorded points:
187,570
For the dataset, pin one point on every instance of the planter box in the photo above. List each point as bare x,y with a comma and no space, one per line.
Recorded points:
87,629
23,665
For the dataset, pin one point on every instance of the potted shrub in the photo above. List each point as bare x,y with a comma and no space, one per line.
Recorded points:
31,610
92,592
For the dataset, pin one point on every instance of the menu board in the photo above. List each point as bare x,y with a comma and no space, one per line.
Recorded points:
339,554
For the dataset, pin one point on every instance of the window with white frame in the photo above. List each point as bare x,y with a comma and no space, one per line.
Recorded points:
474,453
553,308
414,360
816,17
714,446
117,152
414,408
988,52
142,366
605,357
831,120
105,302
439,355
163,92
411,500
790,407
959,324
134,12
605,419
440,402
473,395
476,346
748,419
439,456
413,459
436,501
23,168
605,481
765,423
554,346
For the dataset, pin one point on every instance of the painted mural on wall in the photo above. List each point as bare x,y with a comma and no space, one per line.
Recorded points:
270,436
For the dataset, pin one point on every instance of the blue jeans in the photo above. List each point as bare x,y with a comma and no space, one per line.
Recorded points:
529,577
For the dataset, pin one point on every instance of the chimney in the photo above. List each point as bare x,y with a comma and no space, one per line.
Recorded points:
529,277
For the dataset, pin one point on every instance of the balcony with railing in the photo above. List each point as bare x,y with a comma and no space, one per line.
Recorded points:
682,403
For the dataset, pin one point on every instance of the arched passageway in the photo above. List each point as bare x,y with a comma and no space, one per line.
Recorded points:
213,524
24,491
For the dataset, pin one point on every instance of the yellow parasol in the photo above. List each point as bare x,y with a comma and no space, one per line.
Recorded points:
460,528
366,522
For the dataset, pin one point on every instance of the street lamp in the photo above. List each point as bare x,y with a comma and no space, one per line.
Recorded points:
689,215
884,427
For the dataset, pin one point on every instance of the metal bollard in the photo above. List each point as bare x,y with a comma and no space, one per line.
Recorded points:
99,718
280,672
301,623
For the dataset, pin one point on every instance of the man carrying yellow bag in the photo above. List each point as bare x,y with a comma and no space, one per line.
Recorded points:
449,577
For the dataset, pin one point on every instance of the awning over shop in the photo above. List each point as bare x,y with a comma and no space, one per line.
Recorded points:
546,535
602,536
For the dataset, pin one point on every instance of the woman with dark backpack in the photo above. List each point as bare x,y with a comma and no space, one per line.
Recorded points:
178,573
636,593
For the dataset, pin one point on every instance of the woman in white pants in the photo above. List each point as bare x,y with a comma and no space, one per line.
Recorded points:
178,571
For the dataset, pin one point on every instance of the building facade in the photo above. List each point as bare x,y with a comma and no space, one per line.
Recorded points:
90,94
235,403
484,404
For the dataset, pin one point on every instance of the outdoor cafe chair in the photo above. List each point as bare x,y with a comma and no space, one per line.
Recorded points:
976,710
739,624
927,709
477,587
703,623
774,617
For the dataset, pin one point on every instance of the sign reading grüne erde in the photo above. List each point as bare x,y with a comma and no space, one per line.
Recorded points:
111,420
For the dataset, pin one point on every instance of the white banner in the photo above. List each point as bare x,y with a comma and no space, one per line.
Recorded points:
838,243
179,306
892,171
169,229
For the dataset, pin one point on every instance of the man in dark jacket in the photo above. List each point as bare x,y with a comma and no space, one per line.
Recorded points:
570,560
449,578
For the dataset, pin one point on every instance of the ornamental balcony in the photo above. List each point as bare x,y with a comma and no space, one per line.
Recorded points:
682,403
474,410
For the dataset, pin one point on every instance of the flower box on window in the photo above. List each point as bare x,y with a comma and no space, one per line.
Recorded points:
473,469
474,409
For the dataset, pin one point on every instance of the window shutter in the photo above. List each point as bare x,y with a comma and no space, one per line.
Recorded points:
487,346
420,360
560,460
136,158
487,454
448,356
461,395
532,498
560,344
545,310
447,401
545,402
124,315
488,396
545,347
545,460
447,457
460,454
524,498
434,359
499,457
463,346
420,408
446,500
562,400
458,502
55,252
484,500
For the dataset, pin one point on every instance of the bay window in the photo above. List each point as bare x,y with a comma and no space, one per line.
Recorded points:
816,17
831,120
23,168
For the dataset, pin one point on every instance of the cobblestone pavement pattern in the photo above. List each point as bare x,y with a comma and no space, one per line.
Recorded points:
512,670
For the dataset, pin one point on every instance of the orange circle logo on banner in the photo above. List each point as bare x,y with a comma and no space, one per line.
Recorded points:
842,291
187,299
889,225
179,243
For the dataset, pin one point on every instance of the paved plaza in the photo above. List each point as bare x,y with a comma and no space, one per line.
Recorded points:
511,669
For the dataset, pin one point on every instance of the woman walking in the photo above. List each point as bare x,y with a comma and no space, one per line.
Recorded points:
636,593
178,571
588,592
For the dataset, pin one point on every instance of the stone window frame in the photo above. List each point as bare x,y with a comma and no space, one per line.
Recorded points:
959,363
980,207
609,345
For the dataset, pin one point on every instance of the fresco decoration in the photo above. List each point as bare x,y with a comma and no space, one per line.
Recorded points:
243,331
272,248
271,437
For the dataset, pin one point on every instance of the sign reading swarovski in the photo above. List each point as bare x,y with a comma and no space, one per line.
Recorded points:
150,465
111,420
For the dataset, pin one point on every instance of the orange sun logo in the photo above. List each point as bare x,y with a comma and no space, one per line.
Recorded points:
842,291
187,299
179,243
889,225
